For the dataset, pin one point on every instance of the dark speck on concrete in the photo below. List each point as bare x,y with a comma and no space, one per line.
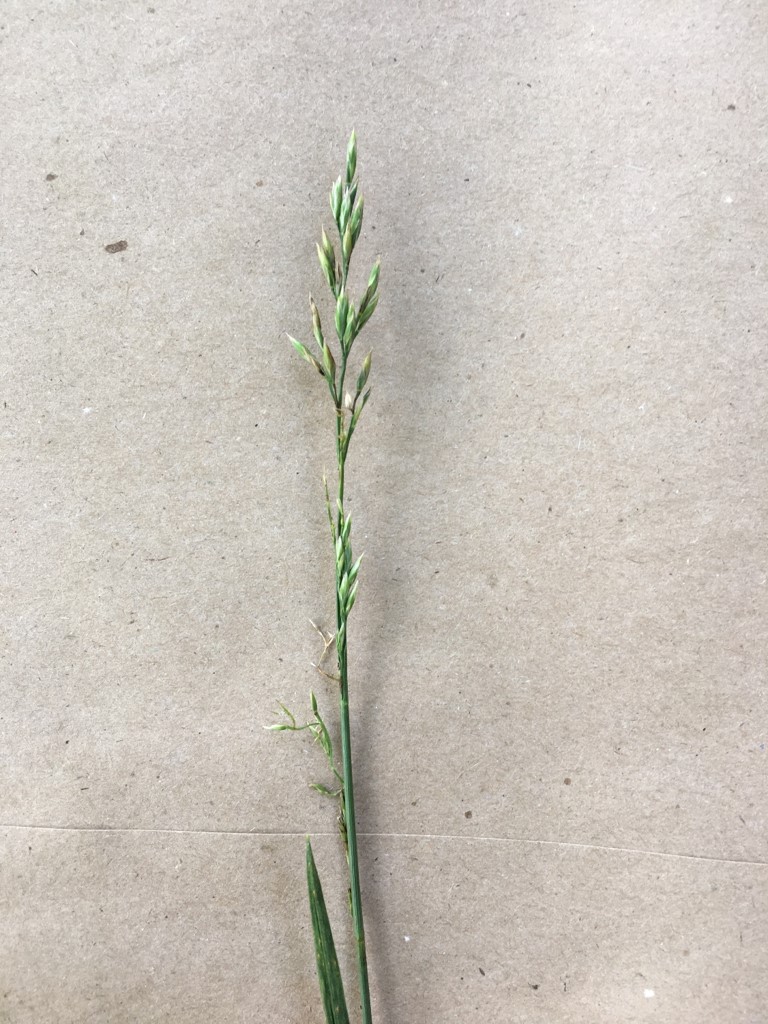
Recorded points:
116,246
51,177
731,106
467,814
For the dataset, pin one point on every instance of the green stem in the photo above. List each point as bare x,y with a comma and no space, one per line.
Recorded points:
346,756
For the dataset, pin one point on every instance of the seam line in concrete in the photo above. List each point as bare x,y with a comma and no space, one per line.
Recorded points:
256,833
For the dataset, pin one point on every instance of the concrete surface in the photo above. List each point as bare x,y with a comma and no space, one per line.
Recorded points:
560,482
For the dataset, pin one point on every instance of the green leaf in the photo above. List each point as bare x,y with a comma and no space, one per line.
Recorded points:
328,973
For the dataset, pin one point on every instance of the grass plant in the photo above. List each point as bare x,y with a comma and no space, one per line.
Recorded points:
349,393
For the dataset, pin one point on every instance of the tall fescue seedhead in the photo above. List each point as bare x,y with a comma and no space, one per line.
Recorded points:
333,365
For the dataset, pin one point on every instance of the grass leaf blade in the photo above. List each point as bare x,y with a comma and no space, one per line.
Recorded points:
328,973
